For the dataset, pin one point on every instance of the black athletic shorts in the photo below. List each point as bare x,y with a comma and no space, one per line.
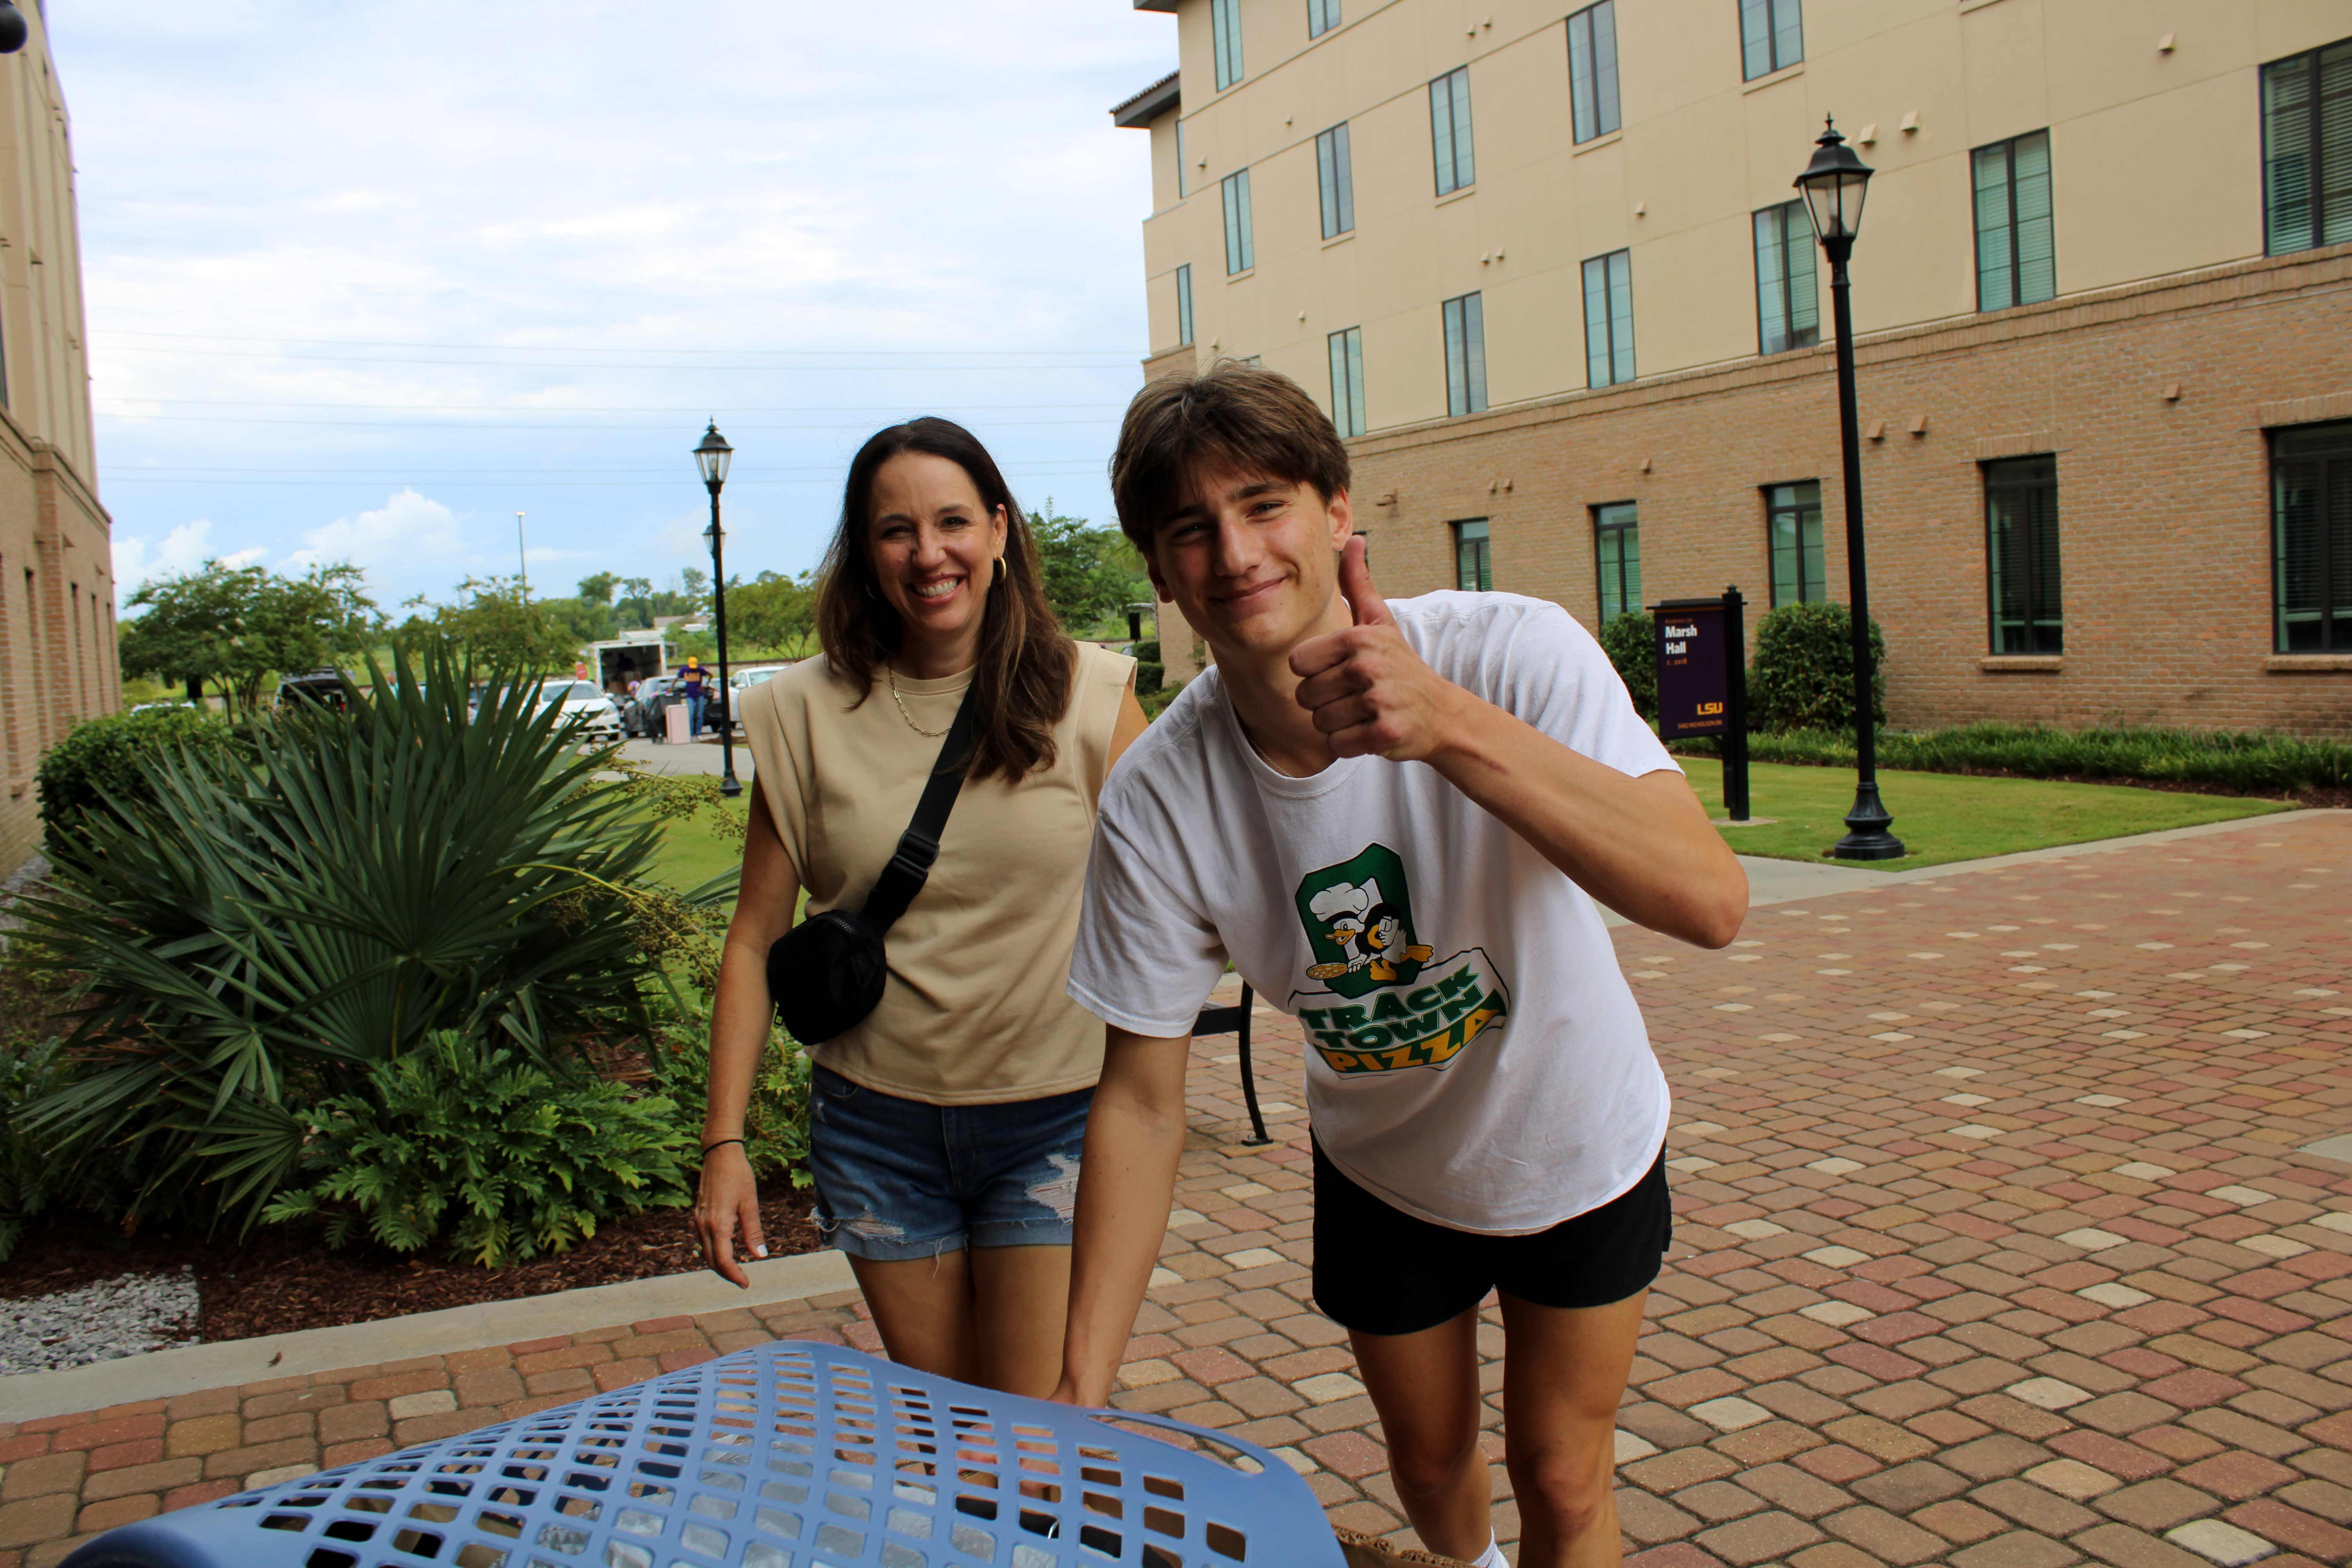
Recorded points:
1378,1270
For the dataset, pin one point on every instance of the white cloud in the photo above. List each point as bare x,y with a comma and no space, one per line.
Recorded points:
185,548
407,532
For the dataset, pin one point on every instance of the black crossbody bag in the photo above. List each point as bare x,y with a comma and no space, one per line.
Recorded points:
827,973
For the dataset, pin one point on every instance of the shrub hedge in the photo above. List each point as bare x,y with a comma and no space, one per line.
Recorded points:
2256,764
106,759
1803,675
1631,642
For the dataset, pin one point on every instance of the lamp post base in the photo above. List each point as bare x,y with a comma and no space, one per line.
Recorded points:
1866,837
729,787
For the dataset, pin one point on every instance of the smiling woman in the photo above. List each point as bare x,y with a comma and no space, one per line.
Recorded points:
946,1121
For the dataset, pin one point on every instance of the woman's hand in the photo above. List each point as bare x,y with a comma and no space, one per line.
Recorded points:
727,1208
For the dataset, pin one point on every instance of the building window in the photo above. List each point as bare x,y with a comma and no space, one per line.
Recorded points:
1225,34
1184,305
1465,355
1348,381
1322,16
1788,302
1609,318
2016,251
1181,164
1473,567
1449,130
1593,71
1240,254
2311,537
2308,150
1336,181
1793,525
2021,554
1771,36
1617,548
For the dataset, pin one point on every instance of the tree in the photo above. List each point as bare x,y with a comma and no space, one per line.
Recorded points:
697,584
772,611
597,589
636,603
239,625
494,626
1091,574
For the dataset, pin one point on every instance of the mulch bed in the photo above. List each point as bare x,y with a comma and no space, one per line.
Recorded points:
280,1278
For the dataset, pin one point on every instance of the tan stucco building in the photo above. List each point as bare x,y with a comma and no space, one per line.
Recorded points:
1543,265
57,573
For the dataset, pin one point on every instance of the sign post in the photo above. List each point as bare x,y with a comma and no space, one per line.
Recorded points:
1702,651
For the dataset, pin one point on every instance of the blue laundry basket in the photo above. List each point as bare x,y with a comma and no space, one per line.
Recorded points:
791,1455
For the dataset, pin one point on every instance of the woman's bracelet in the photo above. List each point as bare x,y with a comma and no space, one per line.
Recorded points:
707,1148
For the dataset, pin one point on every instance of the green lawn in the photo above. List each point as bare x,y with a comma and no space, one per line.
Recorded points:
691,854
1943,817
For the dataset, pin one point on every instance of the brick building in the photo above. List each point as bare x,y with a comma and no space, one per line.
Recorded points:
2103,289
57,573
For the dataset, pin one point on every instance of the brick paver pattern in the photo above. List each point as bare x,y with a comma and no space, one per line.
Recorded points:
1992,1248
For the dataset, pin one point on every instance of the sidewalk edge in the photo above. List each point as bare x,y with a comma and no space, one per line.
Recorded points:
188,1368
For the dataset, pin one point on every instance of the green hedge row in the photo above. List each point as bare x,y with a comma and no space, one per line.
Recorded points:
2224,759
1801,677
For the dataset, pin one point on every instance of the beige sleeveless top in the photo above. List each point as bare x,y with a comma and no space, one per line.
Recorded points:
975,1011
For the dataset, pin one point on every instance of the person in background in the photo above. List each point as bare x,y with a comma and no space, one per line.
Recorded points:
946,1127
692,685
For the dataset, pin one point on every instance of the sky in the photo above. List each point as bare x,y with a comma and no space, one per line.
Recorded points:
363,280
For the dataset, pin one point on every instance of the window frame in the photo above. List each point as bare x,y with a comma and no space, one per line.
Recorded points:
1772,11
2009,477
1225,41
1345,349
1601,103
1464,321
2311,61
1240,246
1795,510
1184,306
1485,555
1625,529
1334,181
2334,465
1616,267
2008,148
1326,12
1450,148
1795,236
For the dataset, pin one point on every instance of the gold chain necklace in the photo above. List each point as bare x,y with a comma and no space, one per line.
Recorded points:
909,717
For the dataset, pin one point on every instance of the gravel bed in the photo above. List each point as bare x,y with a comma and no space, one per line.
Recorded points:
127,1315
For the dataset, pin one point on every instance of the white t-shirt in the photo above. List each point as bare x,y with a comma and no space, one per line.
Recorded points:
1475,1055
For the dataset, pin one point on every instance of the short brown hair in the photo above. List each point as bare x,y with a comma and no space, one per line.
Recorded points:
1232,415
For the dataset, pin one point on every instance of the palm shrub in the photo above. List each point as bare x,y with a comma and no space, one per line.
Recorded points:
461,1141
1631,641
282,918
1802,677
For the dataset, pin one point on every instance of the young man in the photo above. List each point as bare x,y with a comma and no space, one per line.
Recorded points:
1399,821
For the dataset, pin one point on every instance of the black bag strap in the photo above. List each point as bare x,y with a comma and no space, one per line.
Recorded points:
918,847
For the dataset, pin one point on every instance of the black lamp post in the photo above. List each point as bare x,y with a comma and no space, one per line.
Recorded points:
712,457
1834,184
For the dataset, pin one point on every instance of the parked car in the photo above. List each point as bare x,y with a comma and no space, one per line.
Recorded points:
324,687
585,709
752,675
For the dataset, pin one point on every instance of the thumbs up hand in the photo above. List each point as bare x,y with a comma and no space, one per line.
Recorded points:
1371,694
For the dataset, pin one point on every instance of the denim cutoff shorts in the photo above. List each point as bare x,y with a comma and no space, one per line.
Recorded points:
902,1178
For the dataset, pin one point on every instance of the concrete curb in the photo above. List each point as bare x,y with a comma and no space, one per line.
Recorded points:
188,1369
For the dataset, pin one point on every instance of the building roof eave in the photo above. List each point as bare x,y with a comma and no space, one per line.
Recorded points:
1148,105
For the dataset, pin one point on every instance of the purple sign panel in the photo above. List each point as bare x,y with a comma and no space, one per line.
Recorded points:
1693,687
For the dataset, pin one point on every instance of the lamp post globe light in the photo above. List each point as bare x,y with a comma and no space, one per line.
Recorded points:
711,457
1834,184
13,28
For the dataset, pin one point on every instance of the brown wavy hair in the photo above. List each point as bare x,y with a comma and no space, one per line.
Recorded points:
1027,663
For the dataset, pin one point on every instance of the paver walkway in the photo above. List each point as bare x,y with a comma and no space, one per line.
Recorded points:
1993,1248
